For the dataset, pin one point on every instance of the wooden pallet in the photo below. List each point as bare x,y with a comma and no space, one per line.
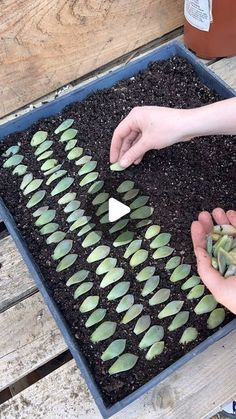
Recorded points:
39,379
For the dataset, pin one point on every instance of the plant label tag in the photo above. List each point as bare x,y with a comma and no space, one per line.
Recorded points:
199,13
116,210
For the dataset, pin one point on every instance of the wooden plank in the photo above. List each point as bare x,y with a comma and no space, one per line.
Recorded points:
29,338
15,280
48,44
195,391
226,69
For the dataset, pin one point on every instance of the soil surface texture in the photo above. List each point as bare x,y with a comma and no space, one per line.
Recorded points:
180,181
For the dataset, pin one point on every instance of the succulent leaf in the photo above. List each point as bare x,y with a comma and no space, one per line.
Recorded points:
96,317
20,170
125,303
196,292
100,198
162,252
36,198
161,240
160,296
45,218
80,222
75,215
64,125
171,308
139,257
132,313
150,285
139,202
216,317
45,155
142,324
152,231
70,145
66,262
75,153
125,186
143,223
38,138
133,247
179,320
102,209
119,225
96,187
191,282
14,149
62,185
130,194
153,335
72,206
209,244
104,219
68,135
112,276
92,238
84,159
13,161
106,265
88,227
123,239
49,228
118,290
180,272
56,237
114,349
101,252
89,303
55,176
62,249
206,305
103,331
124,363
26,180
87,167
40,211
90,177
145,273
141,213
188,336
173,263
116,167
43,147
155,350
77,277
82,289
48,164
68,197
32,186
52,170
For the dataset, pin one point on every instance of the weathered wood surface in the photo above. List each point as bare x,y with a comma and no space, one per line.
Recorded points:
47,44
226,69
194,391
29,338
15,280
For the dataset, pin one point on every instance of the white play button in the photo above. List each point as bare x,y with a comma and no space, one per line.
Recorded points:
116,210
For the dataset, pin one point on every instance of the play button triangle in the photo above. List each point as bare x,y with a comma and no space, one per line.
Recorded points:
116,209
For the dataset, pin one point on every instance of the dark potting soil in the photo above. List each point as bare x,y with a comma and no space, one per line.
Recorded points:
180,180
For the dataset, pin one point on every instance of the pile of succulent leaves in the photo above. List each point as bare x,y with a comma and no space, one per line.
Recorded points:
221,246
106,268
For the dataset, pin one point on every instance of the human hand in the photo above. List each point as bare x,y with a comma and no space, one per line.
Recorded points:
223,289
146,128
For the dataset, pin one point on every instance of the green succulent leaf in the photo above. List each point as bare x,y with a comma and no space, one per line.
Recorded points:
100,198
112,276
45,218
143,223
145,273
96,317
153,335
142,324
115,348
173,263
152,231
155,350
125,186
105,219
92,238
181,272
124,363
49,228
14,149
56,237
32,186
118,290
179,320
87,167
209,244
52,170
102,209
43,147
206,305
171,308
161,240
191,282
20,170
72,206
96,187
90,177
82,289
162,252
66,262
75,153
64,125
224,243
101,252
141,213
78,277
45,155
139,257
62,249
40,211
49,164
26,180
150,285
38,138
125,303
160,296
123,239
188,336
132,313
116,167
106,265
88,227
68,197
80,222
89,303
133,247
196,292
70,145
36,198
103,331
216,317
55,176
68,135
13,161
130,194
119,225
84,159
62,185
139,202
75,215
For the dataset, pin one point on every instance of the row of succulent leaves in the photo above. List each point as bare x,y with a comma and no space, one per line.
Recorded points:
152,335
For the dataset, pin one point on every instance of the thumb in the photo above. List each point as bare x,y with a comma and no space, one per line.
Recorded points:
133,154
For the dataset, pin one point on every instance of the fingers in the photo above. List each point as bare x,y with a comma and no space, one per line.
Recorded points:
206,220
231,217
124,129
198,235
132,138
220,216
135,153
